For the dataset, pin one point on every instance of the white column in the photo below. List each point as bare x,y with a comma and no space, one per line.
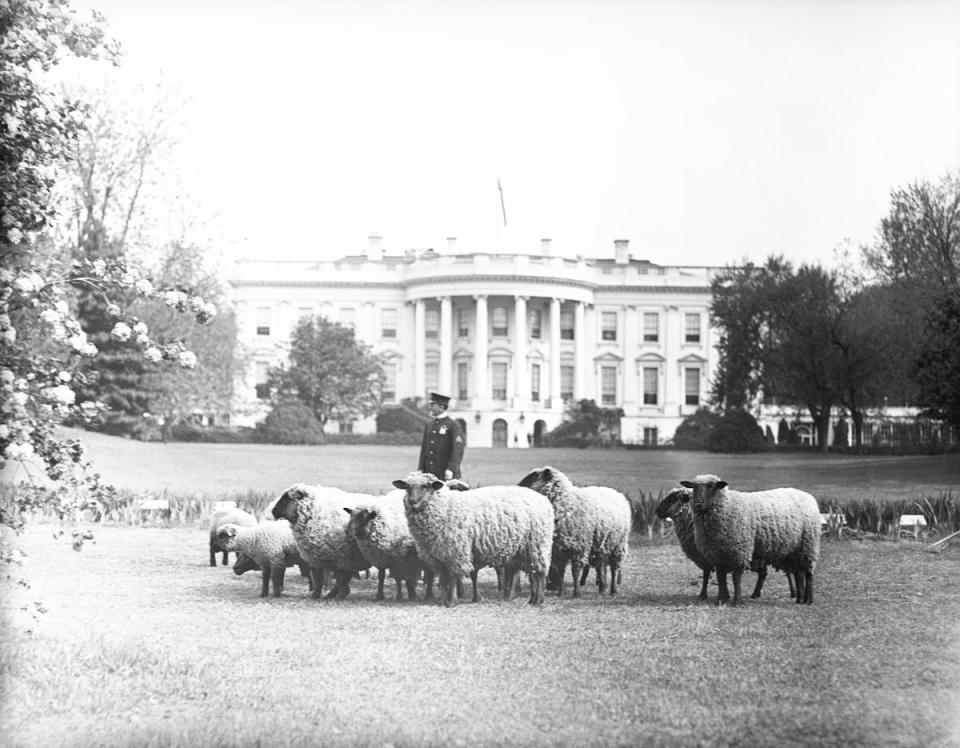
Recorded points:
630,384
580,351
446,345
480,394
520,377
554,393
419,349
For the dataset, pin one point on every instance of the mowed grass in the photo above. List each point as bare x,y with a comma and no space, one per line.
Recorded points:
143,643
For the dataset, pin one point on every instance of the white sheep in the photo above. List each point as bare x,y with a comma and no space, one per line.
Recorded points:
460,532
675,506
737,530
319,519
220,518
379,527
269,546
592,527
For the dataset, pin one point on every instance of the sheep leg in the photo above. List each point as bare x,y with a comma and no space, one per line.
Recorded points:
381,577
602,577
265,581
428,578
761,578
225,560
614,575
737,575
793,586
342,586
213,553
723,593
805,587
537,582
584,575
316,575
575,569
703,586
399,587
476,589
276,575
411,589
458,581
499,571
448,589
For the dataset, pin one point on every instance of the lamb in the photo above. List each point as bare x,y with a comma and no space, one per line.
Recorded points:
318,518
221,518
271,546
460,532
379,528
676,507
737,530
592,527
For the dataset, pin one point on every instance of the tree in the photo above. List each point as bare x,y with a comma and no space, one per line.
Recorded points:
338,377
938,364
694,431
585,424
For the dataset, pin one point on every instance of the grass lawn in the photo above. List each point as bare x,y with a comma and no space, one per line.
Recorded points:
142,643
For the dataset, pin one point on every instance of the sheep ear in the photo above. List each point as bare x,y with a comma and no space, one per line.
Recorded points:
348,510
547,473
401,484
686,484
437,484
720,484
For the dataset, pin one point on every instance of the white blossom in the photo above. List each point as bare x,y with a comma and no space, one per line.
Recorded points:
4,431
144,286
62,394
50,316
121,331
9,336
65,376
153,355
18,451
78,341
113,310
89,349
140,328
187,359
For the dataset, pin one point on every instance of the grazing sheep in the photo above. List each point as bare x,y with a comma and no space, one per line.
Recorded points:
676,507
220,518
270,546
379,527
319,522
460,532
736,530
592,527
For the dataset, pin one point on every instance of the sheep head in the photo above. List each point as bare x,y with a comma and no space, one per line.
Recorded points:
360,520
419,488
537,479
287,504
705,489
225,536
244,563
673,502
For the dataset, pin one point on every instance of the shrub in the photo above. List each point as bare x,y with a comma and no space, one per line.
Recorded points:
401,418
695,430
290,422
737,431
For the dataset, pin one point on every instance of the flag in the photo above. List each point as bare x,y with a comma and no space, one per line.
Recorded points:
503,207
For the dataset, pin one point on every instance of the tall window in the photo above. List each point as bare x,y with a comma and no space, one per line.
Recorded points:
261,376
608,385
608,325
650,436
348,316
566,325
650,382
463,323
431,374
691,326
462,391
566,383
498,372
498,320
535,382
388,322
263,320
389,382
535,323
432,323
651,327
691,386
346,427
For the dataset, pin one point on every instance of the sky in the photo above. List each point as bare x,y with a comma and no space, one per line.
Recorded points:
705,133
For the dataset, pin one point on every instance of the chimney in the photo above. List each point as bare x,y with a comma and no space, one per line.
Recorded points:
621,251
545,249
374,250
451,244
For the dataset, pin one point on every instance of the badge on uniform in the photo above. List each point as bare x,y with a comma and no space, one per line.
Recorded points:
459,439
442,430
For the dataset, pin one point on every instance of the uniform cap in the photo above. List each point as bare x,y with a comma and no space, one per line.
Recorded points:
439,398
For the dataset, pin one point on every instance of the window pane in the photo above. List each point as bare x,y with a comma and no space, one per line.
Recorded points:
608,325
608,385
650,436
388,322
432,322
651,327
692,327
535,382
462,392
566,325
691,386
463,319
650,385
499,381
535,321
263,320
261,375
389,382
499,320
566,383
432,376
348,316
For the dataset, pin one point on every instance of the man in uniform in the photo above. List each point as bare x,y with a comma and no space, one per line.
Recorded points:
442,447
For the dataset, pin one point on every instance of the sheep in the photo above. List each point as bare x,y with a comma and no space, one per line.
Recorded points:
592,527
269,546
737,530
319,520
675,506
221,518
379,527
460,532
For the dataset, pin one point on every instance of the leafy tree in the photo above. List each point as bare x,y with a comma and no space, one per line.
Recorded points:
585,424
938,364
338,377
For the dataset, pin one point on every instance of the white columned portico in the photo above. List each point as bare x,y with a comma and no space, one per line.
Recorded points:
446,344
480,396
554,394
419,348
520,387
580,348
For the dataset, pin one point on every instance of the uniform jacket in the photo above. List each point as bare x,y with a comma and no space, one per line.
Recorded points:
442,447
